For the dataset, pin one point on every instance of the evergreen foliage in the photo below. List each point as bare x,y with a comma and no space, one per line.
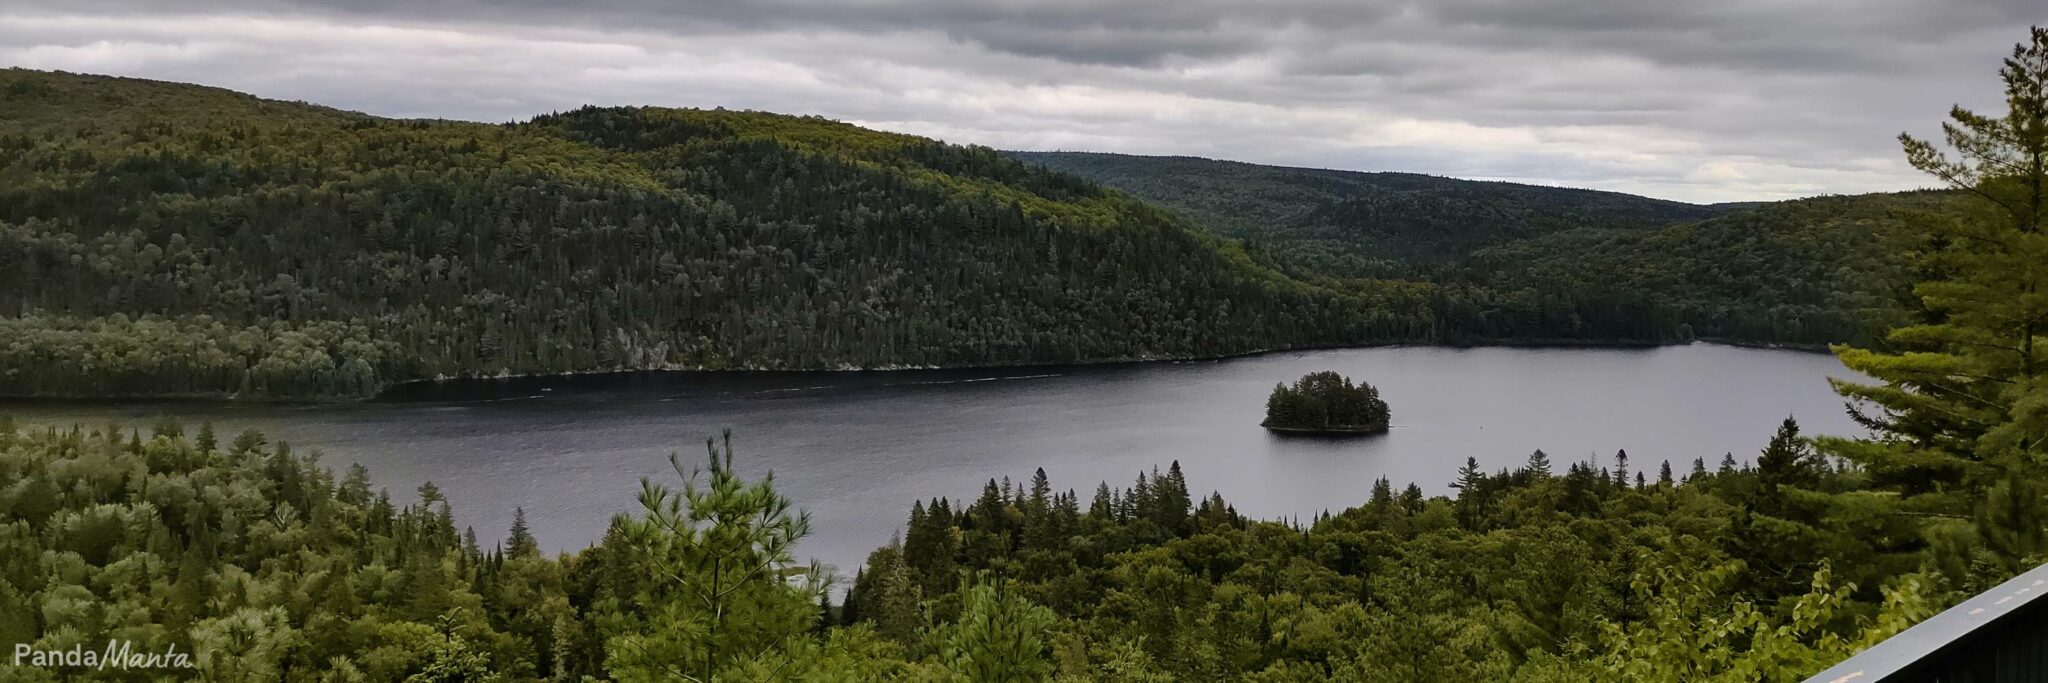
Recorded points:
1502,262
1962,401
1326,402
164,239
167,239
271,567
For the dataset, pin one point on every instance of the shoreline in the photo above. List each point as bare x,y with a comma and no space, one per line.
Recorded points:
1331,431
387,390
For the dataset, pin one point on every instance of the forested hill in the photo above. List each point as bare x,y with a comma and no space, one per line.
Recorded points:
1514,261
1358,222
168,239
159,238
1810,271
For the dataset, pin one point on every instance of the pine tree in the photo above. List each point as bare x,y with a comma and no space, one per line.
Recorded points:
521,542
988,510
891,598
928,548
1471,480
1587,486
1621,469
1171,501
1411,498
1787,461
999,638
1138,502
1280,411
1382,499
1041,492
849,609
1962,403
1539,464
825,618
719,554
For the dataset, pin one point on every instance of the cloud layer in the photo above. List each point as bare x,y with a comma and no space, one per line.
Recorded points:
1722,101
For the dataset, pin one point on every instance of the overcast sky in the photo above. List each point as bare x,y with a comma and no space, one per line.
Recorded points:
1699,100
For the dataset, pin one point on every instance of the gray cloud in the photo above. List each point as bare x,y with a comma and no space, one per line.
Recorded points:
1738,99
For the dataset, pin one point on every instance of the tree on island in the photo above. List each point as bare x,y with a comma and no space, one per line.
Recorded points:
1326,402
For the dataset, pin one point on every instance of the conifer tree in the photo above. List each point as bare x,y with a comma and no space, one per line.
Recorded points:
1382,499
1470,485
999,638
1961,401
1539,464
520,542
1041,492
1411,498
1171,501
719,553
1788,461
928,548
1103,506
890,598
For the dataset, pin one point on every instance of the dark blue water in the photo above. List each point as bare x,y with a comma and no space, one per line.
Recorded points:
856,448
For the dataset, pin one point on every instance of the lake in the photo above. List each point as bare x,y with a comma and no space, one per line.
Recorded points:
855,448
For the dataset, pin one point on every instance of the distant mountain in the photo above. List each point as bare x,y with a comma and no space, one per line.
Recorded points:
1362,224
159,238
1518,259
167,239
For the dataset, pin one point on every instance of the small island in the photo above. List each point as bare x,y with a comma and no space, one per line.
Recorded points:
1326,403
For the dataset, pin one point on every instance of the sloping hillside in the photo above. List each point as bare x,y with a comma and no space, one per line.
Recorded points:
1810,271
1509,261
1361,224
159,238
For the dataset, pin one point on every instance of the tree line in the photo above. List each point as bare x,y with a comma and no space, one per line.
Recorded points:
1326,401
1501,262
274,568
176,240
190,241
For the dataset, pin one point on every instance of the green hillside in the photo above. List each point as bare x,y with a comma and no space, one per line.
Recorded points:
159,238
1361,224
169,239
1810,271
1511,261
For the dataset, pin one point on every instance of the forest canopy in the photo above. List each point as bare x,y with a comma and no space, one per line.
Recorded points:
1510,262
158,238
1326,402
272,567
169,239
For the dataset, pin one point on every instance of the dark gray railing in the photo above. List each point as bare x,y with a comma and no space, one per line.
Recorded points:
1999,636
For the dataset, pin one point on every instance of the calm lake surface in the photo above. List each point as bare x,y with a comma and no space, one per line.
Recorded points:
856,448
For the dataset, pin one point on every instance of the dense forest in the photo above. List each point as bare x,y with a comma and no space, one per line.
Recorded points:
264,565
1362,224
1516,261
172,239
1326,402
167,239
